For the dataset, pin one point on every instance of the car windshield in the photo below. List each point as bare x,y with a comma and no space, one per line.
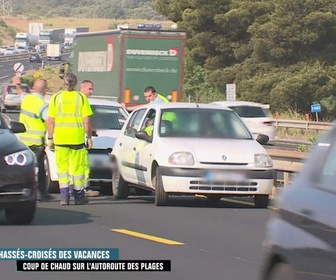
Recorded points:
12,89
202,123
250,111
108,117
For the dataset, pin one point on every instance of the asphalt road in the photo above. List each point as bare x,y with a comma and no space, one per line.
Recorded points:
223,242
7,67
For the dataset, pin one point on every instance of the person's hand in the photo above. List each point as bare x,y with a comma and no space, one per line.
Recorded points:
16,80
51,144
123,105
89,143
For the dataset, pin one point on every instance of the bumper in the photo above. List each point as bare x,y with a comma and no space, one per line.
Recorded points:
100,167
234,182
17,185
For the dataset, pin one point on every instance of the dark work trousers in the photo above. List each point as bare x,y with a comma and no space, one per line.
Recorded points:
41,175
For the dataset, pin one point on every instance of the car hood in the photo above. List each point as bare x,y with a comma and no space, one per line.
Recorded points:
9,143
105,139
217,150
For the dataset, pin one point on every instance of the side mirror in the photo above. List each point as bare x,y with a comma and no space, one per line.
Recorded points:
262,139
17,127
142,135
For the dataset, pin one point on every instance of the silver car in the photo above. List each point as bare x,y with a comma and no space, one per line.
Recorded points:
301,234
10,99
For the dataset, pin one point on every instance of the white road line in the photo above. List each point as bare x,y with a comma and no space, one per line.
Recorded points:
4,77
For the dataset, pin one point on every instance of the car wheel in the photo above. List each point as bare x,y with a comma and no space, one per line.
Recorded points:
261,200
120,187
21,215
281,271
51,186
161,197
213,199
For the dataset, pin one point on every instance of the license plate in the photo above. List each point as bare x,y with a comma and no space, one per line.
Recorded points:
225,176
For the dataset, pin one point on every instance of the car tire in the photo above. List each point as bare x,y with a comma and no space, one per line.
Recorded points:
21,215
281,271
261,200
120,187
161,197
51,186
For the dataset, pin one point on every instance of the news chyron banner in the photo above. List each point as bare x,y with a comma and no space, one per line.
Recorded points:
77,259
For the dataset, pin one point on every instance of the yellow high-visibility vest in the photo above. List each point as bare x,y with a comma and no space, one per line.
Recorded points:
68,108
31,116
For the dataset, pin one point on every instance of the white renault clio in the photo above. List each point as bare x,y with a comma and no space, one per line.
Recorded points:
186,148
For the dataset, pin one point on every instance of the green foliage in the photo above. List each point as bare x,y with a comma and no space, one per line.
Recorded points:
2,23
114,9
280,52
28,79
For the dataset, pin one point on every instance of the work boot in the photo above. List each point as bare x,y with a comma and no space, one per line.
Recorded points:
80,197
65,196
91,193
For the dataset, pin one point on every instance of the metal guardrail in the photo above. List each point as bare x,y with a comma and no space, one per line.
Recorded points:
307,125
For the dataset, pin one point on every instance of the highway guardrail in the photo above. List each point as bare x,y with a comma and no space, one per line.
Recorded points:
307,125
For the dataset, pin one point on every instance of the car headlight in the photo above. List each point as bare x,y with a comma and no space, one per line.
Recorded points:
21,158
181,158
262,160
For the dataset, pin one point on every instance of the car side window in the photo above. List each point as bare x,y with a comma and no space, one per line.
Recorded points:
148,124
134,122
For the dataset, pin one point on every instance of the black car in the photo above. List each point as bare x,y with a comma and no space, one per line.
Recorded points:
301,234
18,187
35,57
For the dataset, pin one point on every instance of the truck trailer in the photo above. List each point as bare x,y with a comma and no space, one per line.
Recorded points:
122,63
51,36
25,40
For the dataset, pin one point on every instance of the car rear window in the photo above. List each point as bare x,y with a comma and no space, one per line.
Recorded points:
12,89
250,111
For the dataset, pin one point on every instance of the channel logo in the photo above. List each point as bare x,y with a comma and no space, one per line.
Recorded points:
173,52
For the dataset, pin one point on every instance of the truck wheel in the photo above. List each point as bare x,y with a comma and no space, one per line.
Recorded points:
51,186
161,197
261,200
21,215
120,187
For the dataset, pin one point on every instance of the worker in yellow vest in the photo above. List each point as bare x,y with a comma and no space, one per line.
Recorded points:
33,115
68,123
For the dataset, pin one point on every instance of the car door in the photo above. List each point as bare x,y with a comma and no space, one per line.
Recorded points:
126,146
144,150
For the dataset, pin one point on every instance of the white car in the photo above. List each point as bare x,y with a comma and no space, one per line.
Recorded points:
257,116
107,121
192,149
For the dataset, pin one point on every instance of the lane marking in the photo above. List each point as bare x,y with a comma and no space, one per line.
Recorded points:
147,237
4,77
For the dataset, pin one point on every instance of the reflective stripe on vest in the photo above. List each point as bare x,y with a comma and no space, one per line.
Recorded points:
68,118
164,99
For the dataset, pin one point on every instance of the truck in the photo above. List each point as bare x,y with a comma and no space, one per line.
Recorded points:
52,36
122,63
70,33
54,51
24,40
35,28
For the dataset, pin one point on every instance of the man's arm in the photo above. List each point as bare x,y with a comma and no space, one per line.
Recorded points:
50,127
87,127
130,108
17,82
